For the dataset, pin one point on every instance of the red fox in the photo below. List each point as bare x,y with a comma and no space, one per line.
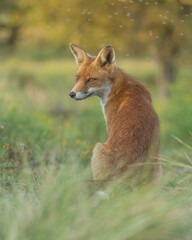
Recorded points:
132,124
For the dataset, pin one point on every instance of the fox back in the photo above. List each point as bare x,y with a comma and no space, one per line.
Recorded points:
132,147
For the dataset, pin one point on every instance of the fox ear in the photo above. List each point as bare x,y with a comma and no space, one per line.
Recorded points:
106,56
79,54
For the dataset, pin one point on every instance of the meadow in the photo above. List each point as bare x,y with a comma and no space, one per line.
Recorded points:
45,148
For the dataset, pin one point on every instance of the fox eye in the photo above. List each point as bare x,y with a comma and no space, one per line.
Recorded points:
91,79
76,79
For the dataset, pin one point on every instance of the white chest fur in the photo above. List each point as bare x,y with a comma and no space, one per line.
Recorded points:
104,98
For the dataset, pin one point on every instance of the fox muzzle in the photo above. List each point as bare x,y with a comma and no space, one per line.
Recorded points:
72,94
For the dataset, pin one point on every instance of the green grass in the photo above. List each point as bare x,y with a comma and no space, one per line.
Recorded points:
45,148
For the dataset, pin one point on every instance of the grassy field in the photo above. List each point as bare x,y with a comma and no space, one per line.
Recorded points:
45,148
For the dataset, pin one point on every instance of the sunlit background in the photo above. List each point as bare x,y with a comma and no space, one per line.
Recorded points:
47,138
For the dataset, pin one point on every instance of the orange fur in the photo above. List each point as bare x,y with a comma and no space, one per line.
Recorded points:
132,124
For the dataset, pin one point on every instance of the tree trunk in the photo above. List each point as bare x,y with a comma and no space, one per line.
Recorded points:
13,37
166,51
167,73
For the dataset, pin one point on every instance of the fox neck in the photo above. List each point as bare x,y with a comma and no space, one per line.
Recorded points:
104,98
111,97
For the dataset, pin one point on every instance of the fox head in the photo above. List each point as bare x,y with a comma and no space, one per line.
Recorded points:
95,74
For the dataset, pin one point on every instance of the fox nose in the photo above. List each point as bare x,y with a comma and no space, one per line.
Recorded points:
72,94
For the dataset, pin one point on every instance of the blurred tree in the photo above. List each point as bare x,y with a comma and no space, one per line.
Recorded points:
9,23
168,25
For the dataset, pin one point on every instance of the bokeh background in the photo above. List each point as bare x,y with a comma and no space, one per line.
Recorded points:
47,138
